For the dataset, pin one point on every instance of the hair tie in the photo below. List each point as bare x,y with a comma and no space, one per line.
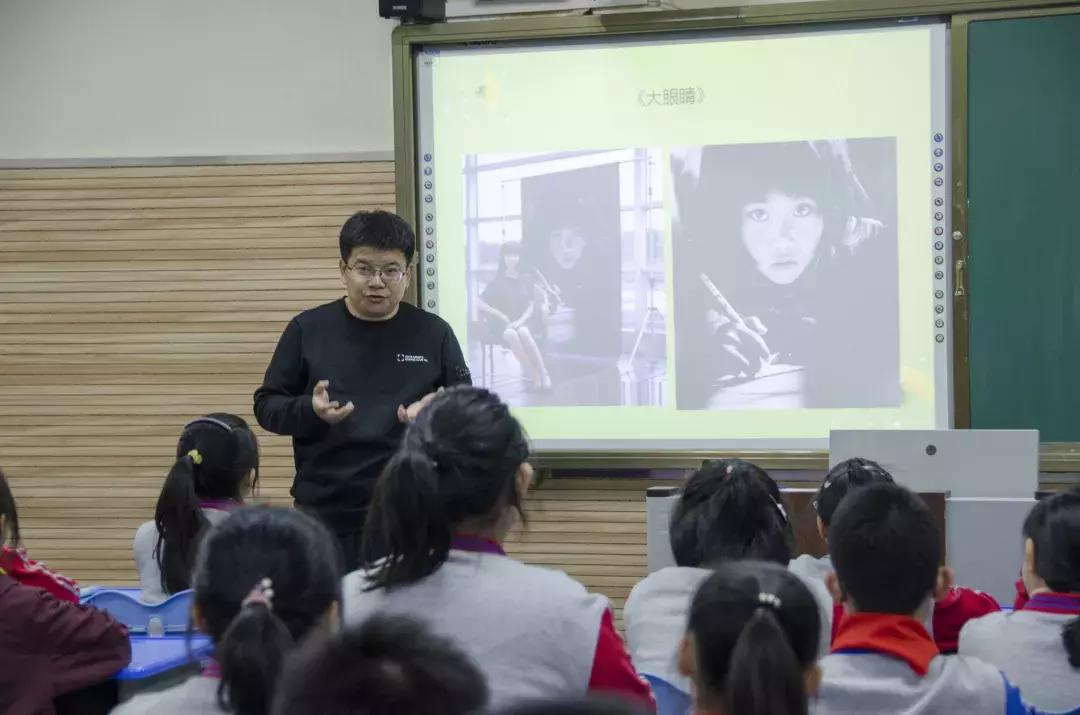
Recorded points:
779,508
262,592
770,601
195,456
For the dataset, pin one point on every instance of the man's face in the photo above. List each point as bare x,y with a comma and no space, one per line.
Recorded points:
375,282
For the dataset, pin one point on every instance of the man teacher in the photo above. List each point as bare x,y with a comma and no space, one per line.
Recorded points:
347,376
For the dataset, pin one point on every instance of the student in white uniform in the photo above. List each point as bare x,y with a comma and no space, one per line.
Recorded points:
1038,647
217,466
443,508
729,510
265,579
751,641
886,548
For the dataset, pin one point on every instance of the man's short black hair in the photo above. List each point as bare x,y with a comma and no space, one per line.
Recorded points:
885,548
386,666
729,510
381,230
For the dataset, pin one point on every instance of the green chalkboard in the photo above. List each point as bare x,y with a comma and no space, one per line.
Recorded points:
1024,224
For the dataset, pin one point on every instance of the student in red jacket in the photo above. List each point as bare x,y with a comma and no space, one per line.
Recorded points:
17,564
48,646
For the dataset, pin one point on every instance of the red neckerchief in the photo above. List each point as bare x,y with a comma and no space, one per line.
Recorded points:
902,637
480,544
1063,603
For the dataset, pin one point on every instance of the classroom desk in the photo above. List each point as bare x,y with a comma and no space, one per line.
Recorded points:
155,656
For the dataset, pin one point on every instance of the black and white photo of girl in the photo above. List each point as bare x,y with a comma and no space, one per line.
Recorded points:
786,290
566,276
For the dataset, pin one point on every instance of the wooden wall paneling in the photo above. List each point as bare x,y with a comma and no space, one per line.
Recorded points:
134,299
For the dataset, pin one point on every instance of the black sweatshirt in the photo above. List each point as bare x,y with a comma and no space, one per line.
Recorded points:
378,365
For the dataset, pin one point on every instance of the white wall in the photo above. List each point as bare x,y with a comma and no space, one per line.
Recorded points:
90,79
159,78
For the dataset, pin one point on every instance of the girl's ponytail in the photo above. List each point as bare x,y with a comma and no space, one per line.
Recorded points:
458,463
754,627
407,521
250,654
180,524
765,677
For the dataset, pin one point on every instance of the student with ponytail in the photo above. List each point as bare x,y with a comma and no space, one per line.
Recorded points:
729,510
751,642
217,466
1038,647
264,580
441,510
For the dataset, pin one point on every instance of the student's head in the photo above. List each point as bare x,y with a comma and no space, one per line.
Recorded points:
461,467
751,641
376,262
729,509
509,257
265,579
774,208
386,666
886,550
1052,555
841,480
9,515
577,706
217,457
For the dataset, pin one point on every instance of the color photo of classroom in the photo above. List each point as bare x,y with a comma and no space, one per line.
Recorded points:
442,358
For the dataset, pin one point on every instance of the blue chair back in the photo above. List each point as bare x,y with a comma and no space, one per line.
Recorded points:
171,616
669,699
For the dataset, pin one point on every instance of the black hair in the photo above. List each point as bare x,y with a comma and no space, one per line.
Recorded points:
841,479
214,456
885,548
508,248
300,559
1053,525
755,628
386,666
730,509
381,230
576,706
10,536
734,175
458,460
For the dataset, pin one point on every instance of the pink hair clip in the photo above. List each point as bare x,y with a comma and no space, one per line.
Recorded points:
263,592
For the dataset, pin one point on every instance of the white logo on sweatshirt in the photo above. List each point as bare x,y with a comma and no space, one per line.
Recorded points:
402,357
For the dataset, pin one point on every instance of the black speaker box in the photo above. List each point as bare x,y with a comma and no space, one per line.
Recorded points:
426,10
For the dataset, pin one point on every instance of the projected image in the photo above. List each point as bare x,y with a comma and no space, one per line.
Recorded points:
786,290
566,277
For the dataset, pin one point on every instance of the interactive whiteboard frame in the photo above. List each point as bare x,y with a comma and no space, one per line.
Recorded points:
410,39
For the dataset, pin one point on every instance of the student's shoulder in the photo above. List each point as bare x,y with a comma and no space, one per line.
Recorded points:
983,632
146,532
195,695
669,581
969,670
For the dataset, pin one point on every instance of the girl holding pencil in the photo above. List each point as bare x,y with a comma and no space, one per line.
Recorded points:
785,260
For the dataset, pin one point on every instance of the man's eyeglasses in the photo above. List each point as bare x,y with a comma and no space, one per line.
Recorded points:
366,273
